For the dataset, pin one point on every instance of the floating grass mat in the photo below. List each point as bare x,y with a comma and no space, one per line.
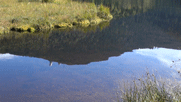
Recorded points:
37,15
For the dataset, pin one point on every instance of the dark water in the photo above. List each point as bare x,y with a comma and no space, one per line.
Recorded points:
86,64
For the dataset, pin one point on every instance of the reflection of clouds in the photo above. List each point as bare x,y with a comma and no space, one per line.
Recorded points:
6,56
163,54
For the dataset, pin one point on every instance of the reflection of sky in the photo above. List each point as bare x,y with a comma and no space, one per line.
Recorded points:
6,56
29,76
164,55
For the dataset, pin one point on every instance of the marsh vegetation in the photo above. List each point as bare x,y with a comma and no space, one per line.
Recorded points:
37,15
150,88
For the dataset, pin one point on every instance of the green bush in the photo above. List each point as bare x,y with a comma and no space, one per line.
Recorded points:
103,11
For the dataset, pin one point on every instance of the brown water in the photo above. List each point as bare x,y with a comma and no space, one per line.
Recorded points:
86,64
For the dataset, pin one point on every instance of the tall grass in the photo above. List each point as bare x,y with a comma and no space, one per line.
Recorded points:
44,15
151,89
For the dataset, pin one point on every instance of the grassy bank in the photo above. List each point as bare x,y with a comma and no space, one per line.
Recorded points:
151,89
37,16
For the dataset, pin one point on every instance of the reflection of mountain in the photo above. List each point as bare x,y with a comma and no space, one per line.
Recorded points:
76,47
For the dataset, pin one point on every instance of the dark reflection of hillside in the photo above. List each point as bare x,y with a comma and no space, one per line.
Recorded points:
70,47
124,8
155,28
166,18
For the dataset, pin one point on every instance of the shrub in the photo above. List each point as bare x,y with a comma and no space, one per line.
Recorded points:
103,12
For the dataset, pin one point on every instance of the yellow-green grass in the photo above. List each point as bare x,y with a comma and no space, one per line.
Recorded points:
38,15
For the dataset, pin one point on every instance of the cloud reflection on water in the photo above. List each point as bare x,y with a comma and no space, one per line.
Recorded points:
6,56
169,57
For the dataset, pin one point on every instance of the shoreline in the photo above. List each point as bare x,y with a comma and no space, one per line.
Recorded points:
37,16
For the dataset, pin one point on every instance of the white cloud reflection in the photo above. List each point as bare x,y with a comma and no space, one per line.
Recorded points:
6,56
164,55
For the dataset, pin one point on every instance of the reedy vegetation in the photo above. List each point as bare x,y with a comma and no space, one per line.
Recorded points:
16,13
151,89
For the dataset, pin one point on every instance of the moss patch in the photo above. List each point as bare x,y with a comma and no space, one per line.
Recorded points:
63,25
84,23
1,30
24,28
31,29
4,30
96,21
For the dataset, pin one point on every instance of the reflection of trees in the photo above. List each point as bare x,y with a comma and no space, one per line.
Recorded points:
82,47
166,18
124,8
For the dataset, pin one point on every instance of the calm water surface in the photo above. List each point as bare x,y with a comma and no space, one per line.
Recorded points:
87,64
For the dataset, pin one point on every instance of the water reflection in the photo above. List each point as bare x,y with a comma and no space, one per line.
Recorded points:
86,63
31,79
123,8
6,56
154,28
168,57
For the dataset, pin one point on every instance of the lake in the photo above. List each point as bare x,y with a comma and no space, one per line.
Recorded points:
88,64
